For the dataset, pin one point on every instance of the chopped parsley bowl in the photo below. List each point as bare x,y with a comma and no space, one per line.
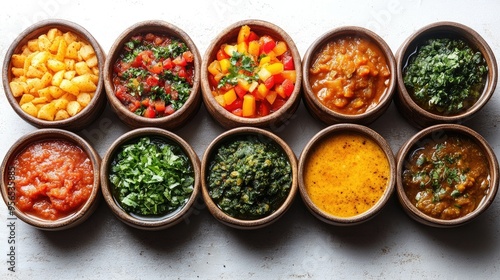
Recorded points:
150,178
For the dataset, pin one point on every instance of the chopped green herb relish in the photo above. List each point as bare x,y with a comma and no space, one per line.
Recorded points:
249,178
151,177
445,76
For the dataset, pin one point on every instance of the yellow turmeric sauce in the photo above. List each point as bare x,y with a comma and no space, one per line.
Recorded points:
346,174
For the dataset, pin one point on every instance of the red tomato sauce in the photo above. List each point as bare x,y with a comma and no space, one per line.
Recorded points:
53,179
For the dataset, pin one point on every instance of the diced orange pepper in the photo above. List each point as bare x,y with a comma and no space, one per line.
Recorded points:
243,34
248,108
280,48
220,100
230,97
280,91
289,74
254,48
271,96
244,84
242,47
261,91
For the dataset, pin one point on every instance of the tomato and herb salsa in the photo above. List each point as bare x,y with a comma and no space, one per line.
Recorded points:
53,179
153,76
447,179
151,177
445,76
349,75
249,178
253,77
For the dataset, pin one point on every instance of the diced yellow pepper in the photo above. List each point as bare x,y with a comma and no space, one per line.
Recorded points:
253,86
243,34
214,68
275,68
229,49
280,48
244,84
248,108
262,91
254,48
264,74
224,65
242,47
220,100
230,96
264,60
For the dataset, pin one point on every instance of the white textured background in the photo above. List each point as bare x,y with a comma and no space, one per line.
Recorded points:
391,246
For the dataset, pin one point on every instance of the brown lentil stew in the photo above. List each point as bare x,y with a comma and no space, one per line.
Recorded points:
447,179
349,75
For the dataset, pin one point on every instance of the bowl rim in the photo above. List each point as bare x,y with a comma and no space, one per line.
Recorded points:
220,215
436,131
169,219
282,114
42,135
453,29
343,31
375,209
33,31
115,50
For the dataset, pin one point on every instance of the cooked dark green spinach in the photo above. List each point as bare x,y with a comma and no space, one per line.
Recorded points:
249,178
445,76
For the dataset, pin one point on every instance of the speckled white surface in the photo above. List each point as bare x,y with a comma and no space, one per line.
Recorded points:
391,246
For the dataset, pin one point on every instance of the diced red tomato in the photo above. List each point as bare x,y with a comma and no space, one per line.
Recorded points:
180,61
167,64
269,83
152,80
182,73
278,79
252,37
160,106
188,56
239,91
235,105
287,60
133,106
278,103
267,43
238,112
212,81
150,112
221,54
145,102
169,110
157,68
288,87
264,108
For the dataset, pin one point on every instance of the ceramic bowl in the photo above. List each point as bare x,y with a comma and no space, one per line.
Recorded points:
438,134
347,110
76,122
193,102
247,133
10,170
108,189
229,36
414,113
359,181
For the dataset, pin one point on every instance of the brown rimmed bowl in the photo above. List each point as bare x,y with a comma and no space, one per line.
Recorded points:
228,137
438,132
8,185
88,114
142,222
226,118
409,109
179,117
329,116
310,148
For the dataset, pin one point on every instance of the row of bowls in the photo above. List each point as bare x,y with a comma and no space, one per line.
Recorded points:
417,117
408,108
201,170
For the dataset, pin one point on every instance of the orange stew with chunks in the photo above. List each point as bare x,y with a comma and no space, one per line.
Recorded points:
153,76
350,75
53,179
447,179
253,77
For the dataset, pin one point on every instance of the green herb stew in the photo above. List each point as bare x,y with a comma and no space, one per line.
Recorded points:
249,177
447,179
445,76
151,177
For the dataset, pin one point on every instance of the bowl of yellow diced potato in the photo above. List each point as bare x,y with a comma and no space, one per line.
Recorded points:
52,75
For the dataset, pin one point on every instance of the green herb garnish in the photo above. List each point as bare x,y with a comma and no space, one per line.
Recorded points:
242,67
446,76
151,177
249,178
